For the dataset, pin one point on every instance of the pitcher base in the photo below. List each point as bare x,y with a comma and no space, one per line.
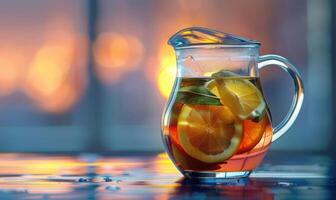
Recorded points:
216,175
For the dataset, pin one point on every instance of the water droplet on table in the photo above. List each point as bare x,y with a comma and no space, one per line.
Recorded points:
81,180
112,188
285,184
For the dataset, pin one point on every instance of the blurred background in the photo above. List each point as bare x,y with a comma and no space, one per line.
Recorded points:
94,75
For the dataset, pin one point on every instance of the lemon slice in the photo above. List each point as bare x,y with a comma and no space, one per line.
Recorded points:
242,97
210,134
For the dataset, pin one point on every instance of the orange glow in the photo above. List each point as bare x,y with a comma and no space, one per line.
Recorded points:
166,56
117,165
39,174
111,50
162,164
39,165
116,54
40,169
167,70
166,80
56,76
49,69
11,65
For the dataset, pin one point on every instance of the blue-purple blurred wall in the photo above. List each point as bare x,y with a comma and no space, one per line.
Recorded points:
94,75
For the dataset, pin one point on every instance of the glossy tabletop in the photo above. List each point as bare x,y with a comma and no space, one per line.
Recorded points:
89,176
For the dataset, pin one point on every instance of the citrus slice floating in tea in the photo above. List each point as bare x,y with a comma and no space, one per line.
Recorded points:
253,132
242,97
209,133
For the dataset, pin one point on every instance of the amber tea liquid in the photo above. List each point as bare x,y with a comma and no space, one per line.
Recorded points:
217,124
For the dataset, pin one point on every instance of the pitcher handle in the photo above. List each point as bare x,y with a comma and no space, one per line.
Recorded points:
296,105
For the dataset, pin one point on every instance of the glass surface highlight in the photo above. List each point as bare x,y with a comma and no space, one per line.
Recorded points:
203,36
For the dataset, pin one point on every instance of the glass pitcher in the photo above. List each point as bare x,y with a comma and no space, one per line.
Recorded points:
216,123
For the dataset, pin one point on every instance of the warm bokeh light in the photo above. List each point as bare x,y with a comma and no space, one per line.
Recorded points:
166,80
112,50
55,78
49,69
167,71
116,54
11,66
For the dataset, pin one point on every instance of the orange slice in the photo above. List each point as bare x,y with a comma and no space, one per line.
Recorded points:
253,132
210,134
187,162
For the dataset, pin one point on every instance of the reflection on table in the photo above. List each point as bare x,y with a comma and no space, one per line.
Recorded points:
154,177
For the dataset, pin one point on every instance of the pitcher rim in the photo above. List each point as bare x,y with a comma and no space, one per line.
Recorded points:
217,46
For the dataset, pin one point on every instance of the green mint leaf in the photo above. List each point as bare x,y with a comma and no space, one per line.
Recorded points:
197,95
223,74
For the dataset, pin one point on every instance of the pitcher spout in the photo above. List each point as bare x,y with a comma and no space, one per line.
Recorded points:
195,36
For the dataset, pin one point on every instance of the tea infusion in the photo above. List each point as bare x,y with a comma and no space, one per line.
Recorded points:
218,123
